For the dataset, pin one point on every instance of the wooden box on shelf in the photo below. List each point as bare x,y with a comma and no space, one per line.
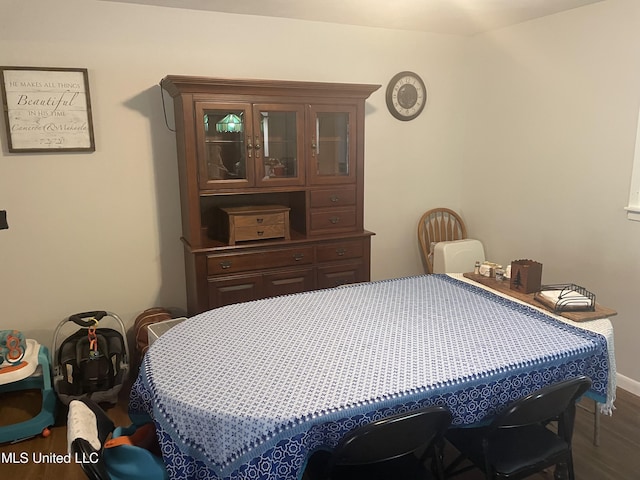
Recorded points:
526,276
260,222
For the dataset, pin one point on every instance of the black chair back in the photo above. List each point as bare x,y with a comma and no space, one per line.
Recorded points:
544,405
392,437
517,443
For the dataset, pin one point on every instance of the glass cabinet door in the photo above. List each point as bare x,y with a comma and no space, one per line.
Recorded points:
278,149
333,146
225,151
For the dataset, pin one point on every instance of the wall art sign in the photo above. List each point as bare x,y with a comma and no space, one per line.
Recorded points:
47,109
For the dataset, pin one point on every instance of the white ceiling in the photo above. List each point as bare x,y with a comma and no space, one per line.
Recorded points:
457,17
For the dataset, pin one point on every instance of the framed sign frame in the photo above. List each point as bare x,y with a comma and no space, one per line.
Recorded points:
47,109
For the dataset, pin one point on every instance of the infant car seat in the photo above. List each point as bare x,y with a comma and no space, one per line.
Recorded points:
93,361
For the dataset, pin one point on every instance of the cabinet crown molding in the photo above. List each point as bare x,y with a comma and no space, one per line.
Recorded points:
180,84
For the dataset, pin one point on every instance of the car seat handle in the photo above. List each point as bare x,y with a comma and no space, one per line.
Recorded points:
93,317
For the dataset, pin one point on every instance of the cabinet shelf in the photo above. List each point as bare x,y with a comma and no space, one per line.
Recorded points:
215,140
212,246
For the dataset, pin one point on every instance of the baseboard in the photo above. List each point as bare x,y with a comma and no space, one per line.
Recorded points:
628,384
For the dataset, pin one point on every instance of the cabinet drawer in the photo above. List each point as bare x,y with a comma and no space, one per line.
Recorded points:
258,220
339,251
236,289
334,276
343,218
289,281
242,262
333,197
259,232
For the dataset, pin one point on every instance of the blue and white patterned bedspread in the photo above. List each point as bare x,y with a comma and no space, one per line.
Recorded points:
250,390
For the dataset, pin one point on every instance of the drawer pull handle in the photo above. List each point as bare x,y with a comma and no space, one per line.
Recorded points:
225,264
259,220
298,256
334,220
340,252
260,232
334,198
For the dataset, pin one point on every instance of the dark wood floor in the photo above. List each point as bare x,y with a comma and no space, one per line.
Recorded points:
617,457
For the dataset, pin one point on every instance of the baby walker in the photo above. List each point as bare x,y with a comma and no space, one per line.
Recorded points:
24,365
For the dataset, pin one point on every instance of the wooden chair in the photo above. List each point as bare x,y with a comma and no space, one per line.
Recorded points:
438,225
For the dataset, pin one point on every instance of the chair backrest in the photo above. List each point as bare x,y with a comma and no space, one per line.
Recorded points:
438,225
555,402
392,437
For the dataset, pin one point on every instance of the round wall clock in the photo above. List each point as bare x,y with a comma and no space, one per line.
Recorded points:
406,96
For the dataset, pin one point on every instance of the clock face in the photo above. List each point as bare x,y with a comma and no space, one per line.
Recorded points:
406,96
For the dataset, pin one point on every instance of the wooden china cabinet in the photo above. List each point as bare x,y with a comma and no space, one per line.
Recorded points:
271,186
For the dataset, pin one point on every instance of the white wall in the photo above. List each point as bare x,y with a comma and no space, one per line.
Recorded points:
511,117
101,230
550,137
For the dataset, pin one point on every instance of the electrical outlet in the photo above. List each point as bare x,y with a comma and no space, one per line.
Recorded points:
3,220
